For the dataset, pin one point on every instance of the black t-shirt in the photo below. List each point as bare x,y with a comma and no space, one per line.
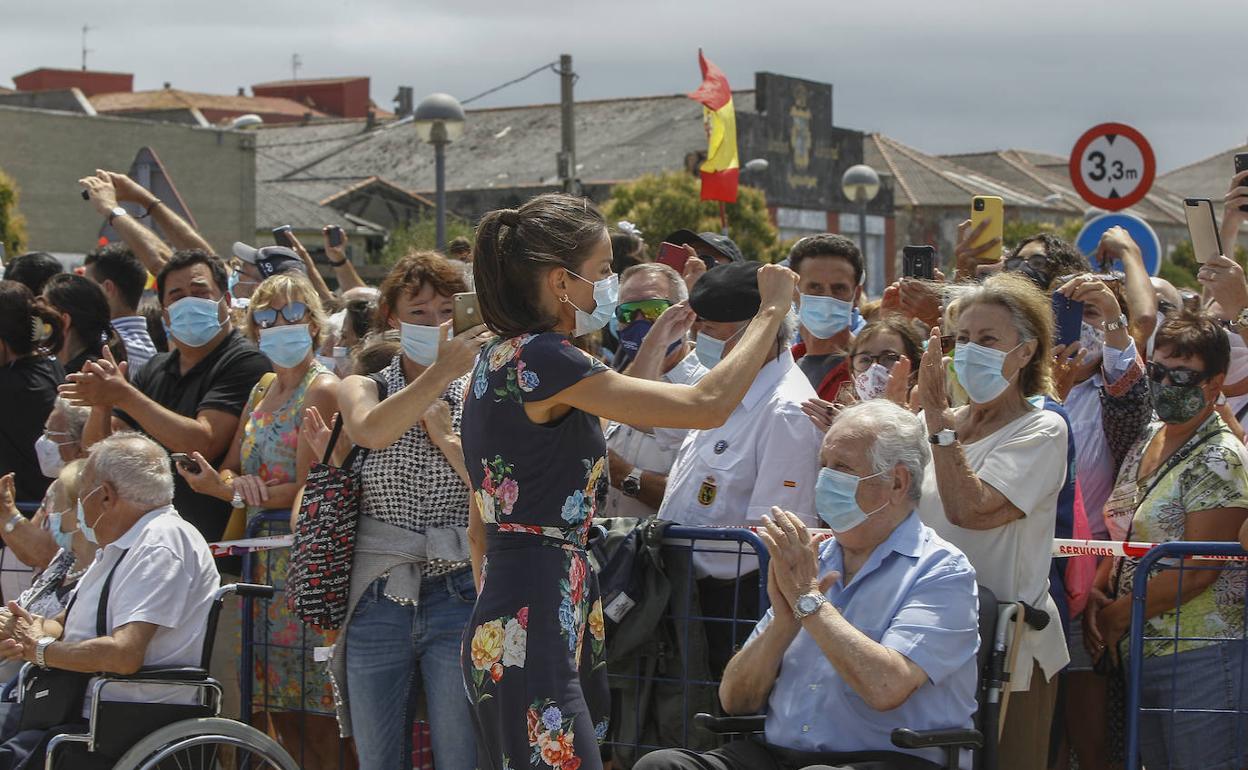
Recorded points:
817,367
27,392
222,382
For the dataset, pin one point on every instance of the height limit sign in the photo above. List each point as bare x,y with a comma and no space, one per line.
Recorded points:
1112,166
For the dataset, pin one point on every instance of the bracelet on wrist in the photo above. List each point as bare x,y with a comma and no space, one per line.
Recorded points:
150,208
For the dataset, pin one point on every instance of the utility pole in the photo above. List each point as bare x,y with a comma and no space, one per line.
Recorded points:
295,63
567,120
85,50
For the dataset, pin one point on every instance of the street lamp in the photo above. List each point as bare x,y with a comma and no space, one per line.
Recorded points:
439,120
861,184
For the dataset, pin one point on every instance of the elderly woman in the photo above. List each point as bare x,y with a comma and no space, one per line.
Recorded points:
1183,479
264,469
998,465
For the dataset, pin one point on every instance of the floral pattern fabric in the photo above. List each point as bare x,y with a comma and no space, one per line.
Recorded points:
534,654
283,673
1214,475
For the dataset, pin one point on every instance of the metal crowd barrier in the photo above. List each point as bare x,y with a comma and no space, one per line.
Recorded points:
678,682
1215,720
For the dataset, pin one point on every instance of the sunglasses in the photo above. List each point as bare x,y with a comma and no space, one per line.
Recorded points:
647,309
1179,375
1038,262
266,318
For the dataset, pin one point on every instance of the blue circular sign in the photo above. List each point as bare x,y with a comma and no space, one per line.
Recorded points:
1138,229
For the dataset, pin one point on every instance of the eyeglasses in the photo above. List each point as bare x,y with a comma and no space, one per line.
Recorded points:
648,309
267,317
1037,262
1179,375
887,359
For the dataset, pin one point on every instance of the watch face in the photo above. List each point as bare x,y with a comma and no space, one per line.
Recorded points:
807,604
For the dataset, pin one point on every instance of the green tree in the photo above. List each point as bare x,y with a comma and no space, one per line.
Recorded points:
1015,231
12,223
1180,267
660,204
421,234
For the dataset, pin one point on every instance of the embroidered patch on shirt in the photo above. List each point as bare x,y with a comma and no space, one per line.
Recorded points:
790,484
706,492
720,446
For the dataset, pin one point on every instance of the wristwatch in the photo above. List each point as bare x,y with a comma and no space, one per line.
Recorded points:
1115,325
41,647
117,212
808,604
631,485
946,437
11,524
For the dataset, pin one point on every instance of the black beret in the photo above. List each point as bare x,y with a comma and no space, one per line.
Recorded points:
720,244
727,293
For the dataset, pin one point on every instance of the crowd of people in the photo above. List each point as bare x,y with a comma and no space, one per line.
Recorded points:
939,431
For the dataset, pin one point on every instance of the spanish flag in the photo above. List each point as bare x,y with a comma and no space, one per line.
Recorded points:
719,172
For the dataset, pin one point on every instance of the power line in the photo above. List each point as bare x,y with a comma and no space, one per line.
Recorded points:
552,66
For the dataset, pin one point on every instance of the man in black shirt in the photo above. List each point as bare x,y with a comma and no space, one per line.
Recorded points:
190,398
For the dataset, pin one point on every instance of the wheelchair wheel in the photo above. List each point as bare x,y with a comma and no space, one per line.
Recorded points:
210,743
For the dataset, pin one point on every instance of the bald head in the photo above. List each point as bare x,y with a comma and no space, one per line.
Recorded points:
1166,292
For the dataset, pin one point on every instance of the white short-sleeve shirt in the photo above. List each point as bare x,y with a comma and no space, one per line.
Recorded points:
766,454
167,577
1024,460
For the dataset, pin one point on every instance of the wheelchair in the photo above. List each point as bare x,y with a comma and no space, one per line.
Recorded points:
164,736
994,635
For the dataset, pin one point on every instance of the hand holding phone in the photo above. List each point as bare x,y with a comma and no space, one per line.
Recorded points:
918,262
1202,226
185,461
466,313
282,236
334,235
988,209
1068,314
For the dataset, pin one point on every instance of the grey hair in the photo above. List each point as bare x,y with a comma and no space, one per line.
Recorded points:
900,438
137,467
676,289
75,417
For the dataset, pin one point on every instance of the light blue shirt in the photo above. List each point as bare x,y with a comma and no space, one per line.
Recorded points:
916,594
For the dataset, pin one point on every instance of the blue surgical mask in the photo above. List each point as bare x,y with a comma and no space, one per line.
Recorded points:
606,297
824,317
63,540
710,350
194,321
88,532
836,499
286,346
979,370
420,343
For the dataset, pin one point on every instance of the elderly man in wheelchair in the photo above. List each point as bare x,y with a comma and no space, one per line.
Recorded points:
872,630
126,658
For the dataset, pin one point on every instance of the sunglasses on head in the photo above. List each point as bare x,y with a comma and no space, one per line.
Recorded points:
647,309
267,317
1179,375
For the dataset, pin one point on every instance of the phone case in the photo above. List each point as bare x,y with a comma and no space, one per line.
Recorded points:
1068,314
1202,226
466,313
918,262
993,208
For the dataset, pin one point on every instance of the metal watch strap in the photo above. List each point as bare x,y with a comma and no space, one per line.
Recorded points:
818,599
1115,325
41,646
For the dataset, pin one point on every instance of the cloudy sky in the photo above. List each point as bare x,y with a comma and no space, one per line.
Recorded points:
940,75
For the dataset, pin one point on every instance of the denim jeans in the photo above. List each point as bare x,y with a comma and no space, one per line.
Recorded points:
1205,678
386,642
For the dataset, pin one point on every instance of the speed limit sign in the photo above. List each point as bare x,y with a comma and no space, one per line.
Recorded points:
1112,166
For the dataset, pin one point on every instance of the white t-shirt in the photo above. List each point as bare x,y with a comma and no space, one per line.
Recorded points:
1026,461
167,578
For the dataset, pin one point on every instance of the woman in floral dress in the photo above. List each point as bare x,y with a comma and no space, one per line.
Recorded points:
264,469
534,653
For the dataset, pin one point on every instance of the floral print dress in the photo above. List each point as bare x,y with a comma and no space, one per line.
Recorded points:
534,656
284,676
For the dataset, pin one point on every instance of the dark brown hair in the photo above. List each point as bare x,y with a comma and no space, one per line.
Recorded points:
410,274
514,250
25,325
1197,335
911,342
188,257
827,245
89,317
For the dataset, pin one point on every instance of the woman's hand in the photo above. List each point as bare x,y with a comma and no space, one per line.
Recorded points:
1232,217
776,285
921,300
898,388
695,268
437,422
315,432
1066,362
933,394
672,326
966,256
1090,291
1224,278
820,412
457,354
1093,640
1113,621
8,495
205,479
253,489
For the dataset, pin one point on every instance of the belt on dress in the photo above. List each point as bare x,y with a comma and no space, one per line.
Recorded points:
525,535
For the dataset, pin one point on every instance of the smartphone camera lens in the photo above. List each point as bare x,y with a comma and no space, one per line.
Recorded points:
979,204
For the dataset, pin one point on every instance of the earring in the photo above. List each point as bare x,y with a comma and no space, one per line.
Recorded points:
564,299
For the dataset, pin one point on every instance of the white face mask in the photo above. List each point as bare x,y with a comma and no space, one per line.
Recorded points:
420,343
49,454
606,297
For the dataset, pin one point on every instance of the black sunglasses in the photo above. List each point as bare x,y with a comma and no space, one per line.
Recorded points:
1179,375
293,312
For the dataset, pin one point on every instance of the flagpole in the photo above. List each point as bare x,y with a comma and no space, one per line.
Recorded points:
723,217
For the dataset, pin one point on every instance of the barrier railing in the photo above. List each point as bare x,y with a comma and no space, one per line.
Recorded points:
689,638
1212,702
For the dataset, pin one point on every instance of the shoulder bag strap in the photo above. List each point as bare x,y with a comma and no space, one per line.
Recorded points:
101,611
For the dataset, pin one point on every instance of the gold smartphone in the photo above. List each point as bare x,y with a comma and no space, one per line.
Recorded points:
466,313
993,208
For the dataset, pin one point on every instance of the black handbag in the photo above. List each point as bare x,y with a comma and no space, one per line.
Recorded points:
53,696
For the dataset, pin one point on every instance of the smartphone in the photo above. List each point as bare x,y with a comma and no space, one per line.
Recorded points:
1068,314
1241,165
335,235
1203,228
947,344
466,313
184,460
918,262
282,236
992,208
673,256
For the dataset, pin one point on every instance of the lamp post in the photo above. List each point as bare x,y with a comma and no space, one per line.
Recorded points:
861,184
439,120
